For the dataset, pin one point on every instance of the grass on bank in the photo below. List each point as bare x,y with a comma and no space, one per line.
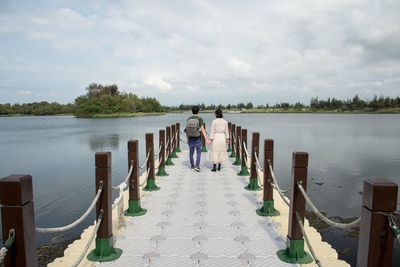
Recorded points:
124,115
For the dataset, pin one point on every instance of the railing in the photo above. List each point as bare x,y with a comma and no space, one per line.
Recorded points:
378,224
16,198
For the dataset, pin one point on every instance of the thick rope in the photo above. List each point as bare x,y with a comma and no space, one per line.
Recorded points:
3,253
78,221
145,179
284,198
245,150
259,175
144,164
258,162
322,217
307,241
124,183
96,228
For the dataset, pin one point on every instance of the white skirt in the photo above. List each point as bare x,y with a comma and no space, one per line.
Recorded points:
218,150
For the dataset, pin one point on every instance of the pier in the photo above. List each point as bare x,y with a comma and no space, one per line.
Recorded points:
170,215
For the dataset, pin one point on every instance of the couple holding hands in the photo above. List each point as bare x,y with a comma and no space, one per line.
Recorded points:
219,137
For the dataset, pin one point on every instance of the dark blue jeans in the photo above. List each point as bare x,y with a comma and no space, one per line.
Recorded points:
195,143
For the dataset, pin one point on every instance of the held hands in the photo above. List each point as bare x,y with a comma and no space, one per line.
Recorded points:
209,141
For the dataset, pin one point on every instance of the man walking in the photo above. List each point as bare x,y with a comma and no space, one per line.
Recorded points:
194,130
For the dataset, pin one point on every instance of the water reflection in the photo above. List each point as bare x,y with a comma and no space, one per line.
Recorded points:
103,142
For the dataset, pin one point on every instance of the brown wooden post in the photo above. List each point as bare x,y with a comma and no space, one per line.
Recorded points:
151,183
17,213
255,147
161,157
168,162
134,208
268,208
375,244
178,141
243,170
203,141
230,137
238,145
174,142
295,243
104,250
233,137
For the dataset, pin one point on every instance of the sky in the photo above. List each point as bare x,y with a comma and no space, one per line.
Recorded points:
183,51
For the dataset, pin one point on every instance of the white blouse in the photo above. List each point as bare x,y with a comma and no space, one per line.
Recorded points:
219,126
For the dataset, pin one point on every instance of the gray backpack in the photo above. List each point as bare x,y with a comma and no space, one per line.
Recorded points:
192,127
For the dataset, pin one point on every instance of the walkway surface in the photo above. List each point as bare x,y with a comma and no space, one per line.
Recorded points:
200,219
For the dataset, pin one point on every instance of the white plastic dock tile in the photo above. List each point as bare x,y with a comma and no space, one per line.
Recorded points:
199,219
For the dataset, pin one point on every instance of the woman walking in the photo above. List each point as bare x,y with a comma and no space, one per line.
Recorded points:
219,137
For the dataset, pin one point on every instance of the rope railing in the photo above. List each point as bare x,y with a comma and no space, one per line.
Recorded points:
124,183
7,245
307,240
75,223
321,216
258,165
84,251
145,162
280,192
141,184
245,150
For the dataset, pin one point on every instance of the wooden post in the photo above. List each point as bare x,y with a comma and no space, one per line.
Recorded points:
104,250
230,137
238,145
17,213
294,252
174,142
161,157
168,162
375,244
232,134
134,208
255,147
203,141
243,170
151,183
178,141
268,208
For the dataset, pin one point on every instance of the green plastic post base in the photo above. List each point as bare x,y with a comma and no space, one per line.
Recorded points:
267,209
229,149
237,161
178,149
161,171
233,154
151,185
104,251
244,171
169,162
204,149
134,209
174,155
253,185
294,253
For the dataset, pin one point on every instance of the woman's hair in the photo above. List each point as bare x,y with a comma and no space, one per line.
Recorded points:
218,113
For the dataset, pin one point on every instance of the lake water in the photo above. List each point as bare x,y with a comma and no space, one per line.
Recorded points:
58,151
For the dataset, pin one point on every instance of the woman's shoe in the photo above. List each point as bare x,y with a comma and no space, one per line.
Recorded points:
214,169
219,166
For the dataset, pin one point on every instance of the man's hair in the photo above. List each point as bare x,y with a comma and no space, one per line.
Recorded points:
195,110
218,113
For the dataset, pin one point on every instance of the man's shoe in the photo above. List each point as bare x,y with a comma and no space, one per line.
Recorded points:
197,169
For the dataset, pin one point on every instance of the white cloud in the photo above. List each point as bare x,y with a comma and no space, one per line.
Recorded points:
157,82
239,66
293,50
25,93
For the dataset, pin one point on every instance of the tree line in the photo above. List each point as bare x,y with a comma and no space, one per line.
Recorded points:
107,99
